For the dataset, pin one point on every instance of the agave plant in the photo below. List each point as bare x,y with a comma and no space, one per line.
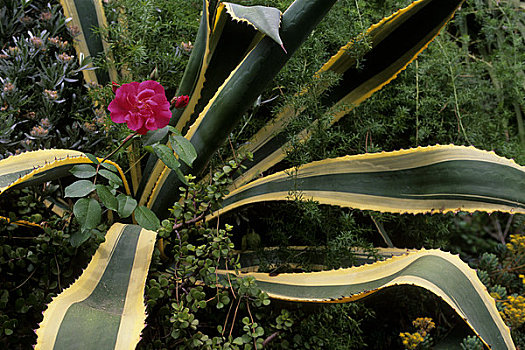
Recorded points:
224,76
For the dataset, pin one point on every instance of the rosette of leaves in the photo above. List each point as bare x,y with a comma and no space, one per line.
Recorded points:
225,76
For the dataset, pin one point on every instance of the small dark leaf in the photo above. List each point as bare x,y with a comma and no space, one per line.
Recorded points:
107,198
92,158
80,237
167,156
110,167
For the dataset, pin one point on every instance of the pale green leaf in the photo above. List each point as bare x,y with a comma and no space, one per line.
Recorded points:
126,205
88,212
167,156
110,176
83,171
184,149
80,188
155,136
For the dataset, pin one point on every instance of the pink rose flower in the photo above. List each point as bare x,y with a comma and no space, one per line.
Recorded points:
142,106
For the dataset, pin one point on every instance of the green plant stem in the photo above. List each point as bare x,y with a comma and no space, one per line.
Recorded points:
129,137
521,128
124,142
454,89
417,102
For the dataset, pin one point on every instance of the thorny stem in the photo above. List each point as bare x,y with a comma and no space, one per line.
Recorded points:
229,281
129,137
25,281
226,320
58,273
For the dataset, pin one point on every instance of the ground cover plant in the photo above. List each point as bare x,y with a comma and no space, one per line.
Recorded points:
178,249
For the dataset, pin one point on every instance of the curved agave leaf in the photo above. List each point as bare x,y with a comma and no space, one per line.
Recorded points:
237,94
395,42
196,69
438,272
265,19
191,84
36,167
86,15
221,44
421,180
104,308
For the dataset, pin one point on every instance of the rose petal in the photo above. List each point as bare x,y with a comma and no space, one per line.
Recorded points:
134,121
145,94
153,85
117,113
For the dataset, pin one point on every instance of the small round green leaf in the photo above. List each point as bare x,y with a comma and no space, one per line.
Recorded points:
88,212
107,198
126,205
80,188
146,218
83,171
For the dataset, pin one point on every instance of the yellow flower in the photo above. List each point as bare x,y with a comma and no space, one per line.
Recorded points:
516,244
411,340
514,311
424,324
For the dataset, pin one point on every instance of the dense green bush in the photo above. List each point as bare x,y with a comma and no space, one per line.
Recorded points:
35,264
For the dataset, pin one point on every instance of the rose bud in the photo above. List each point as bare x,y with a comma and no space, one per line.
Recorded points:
180,101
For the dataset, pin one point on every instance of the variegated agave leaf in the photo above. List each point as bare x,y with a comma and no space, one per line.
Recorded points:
438,272
394,42
422,180
223,42
104,308
86,15
36,167
234,97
